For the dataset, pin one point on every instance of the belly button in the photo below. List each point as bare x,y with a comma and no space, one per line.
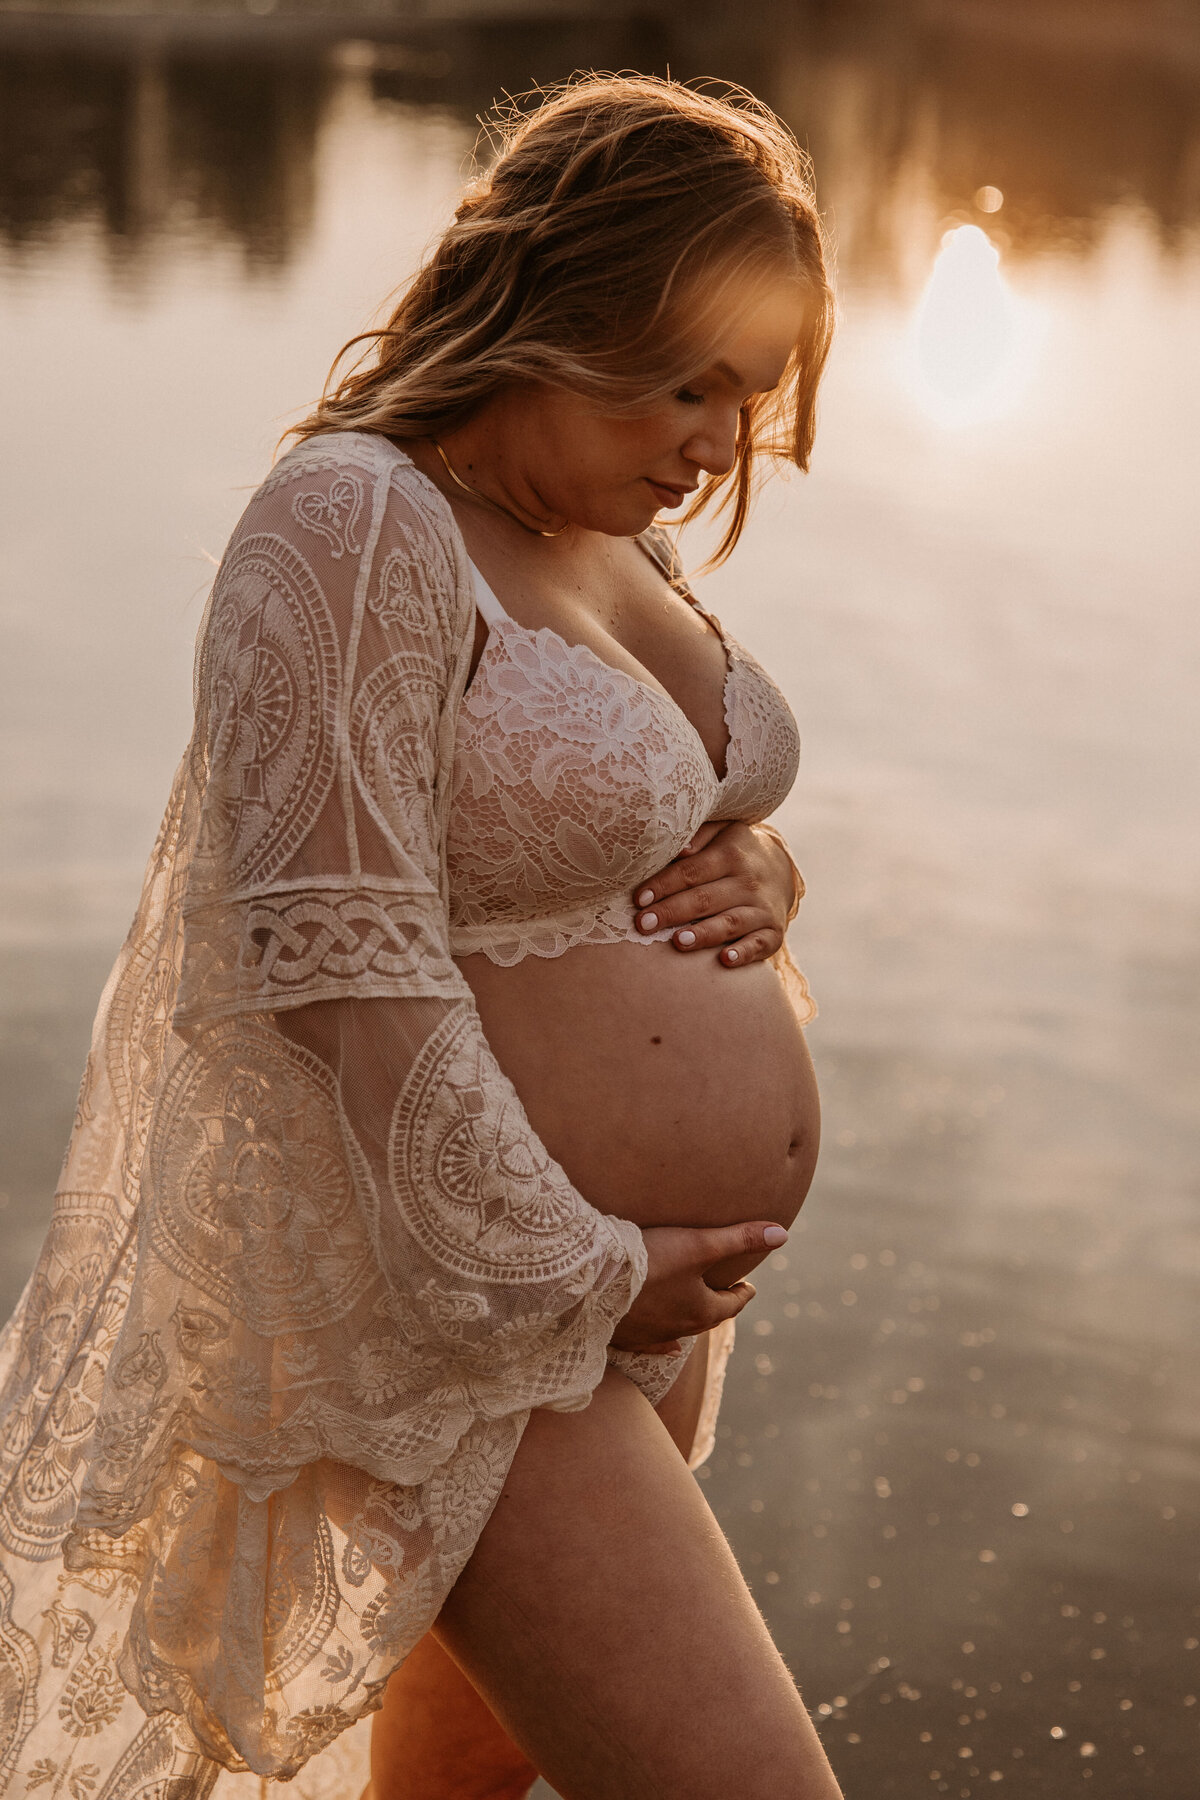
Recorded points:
656,1040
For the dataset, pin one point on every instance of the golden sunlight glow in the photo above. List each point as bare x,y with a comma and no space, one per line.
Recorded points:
971,345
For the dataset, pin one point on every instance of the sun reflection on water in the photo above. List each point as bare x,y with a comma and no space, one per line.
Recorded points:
971,349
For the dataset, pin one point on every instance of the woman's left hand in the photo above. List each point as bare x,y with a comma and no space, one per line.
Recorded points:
733,886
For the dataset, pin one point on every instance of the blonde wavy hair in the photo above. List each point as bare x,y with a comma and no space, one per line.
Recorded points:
622,222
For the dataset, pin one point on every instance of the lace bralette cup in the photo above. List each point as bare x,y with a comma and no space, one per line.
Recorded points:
575,781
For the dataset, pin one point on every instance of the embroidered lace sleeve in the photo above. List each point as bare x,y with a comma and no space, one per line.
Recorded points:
310,1266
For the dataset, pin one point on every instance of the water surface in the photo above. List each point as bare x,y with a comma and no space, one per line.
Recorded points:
959,1457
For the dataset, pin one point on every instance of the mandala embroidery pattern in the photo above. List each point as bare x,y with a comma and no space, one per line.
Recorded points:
393,751
61,1345
271,671
476,1190
257,1180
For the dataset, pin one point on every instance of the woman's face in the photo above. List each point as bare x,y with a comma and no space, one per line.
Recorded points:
615,474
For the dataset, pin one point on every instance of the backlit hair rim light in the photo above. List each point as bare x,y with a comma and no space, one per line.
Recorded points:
623,223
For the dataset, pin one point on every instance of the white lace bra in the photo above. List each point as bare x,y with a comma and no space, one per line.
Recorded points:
574,781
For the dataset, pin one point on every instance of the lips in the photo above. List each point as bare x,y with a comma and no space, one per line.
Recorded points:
667,495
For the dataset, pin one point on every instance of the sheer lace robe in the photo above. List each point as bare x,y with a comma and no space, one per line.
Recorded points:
309,1268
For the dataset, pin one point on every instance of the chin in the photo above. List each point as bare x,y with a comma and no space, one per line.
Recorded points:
643,512
619,520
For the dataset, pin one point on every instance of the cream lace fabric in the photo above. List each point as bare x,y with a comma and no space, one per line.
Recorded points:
308,1267
574,781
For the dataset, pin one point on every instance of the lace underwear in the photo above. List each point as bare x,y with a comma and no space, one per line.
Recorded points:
575,781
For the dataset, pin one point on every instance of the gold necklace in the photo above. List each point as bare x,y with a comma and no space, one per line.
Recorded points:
497,505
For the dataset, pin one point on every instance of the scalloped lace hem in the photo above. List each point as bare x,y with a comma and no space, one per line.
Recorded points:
508,941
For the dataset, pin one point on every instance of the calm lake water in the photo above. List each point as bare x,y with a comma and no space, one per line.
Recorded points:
960,1456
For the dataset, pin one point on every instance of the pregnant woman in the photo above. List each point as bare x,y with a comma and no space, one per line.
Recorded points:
451,1078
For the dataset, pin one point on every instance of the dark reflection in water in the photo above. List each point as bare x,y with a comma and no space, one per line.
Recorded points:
138,138
143,126
1064,134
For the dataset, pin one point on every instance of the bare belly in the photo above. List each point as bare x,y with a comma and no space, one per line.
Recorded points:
672,1090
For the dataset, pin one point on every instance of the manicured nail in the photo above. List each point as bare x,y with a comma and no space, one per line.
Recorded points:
685,937
645,897
648,921
774,1236
731,956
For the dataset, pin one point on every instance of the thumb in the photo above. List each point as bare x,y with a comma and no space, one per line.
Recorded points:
730,1301
707,832
750,1238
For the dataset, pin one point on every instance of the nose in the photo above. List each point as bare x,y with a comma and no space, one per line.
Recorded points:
713,446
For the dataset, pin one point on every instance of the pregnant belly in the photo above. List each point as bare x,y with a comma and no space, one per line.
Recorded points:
672,1090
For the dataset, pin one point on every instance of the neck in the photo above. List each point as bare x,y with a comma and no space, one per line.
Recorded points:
485,456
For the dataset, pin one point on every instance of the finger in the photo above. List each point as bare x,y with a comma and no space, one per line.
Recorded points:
732,927
706,901
702,858
756,946
725,854
751,1237
727,1303
706,834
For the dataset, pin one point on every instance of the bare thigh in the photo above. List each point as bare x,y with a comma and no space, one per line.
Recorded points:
681,1405
604,1620
434,1735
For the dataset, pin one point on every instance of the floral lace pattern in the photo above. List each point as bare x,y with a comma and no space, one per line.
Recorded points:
574,781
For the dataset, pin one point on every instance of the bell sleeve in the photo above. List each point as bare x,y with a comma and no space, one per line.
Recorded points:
340,1158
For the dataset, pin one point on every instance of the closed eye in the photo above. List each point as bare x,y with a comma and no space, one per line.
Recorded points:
689,398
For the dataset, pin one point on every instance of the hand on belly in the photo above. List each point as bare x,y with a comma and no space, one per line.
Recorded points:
671,1091
675,1301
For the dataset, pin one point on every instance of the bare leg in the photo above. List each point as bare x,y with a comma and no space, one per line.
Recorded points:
435,1738
605,1622
681,1405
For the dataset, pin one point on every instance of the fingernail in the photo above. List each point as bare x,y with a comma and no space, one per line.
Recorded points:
731,956
645,897
648,921
685,937
774,1236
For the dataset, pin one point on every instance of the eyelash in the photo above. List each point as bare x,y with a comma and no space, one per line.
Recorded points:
689,398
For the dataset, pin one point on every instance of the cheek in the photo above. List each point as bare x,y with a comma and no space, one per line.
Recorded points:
594,465
592,453
638,446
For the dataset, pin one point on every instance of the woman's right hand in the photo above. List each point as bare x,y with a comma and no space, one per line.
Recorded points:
675,1300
